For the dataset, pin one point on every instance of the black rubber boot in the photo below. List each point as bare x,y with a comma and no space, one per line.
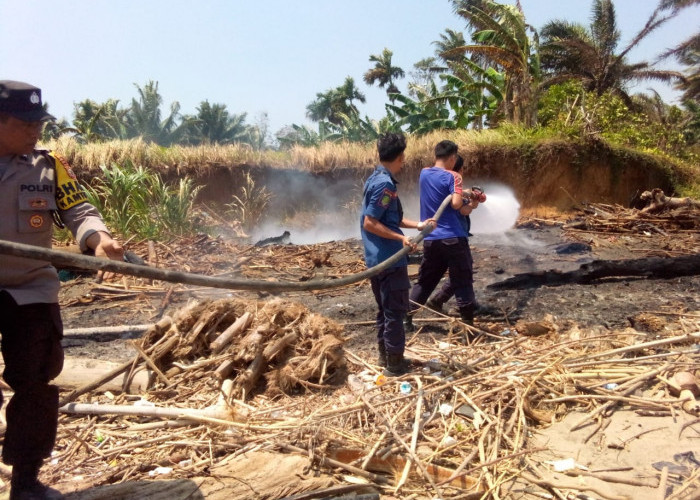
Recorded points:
397,365
381,354
467,318
466,314
25,484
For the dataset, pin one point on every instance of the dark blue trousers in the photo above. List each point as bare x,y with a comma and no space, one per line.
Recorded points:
454,256
31,348
390,290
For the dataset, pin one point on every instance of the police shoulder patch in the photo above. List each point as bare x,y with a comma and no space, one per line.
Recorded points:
64,163
69,193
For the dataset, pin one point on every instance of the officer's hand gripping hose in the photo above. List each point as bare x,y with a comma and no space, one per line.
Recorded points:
60,258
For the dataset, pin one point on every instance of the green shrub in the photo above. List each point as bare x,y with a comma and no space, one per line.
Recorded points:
137,203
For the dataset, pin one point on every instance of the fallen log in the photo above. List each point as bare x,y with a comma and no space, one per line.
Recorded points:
160,326
650,267
657,201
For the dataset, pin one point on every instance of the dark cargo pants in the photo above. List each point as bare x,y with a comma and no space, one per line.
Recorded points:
390,290
31,348
452,255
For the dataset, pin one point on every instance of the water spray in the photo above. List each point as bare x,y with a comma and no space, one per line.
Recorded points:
498,214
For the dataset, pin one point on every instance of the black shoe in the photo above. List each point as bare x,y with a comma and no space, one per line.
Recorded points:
397,365
435,306
36,491
408,325
468,320
381,355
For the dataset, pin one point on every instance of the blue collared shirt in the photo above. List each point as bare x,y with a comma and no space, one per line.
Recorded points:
380,200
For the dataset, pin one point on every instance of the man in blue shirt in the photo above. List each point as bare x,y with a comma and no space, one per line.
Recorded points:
470,203
380,223
446,248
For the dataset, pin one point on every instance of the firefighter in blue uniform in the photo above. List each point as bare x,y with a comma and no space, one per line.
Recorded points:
381,220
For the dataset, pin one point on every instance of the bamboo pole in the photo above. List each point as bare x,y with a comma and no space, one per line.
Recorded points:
217,411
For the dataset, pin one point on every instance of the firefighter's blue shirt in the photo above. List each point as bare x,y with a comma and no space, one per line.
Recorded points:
380,200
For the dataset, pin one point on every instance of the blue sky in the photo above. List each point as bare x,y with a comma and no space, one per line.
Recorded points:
263,56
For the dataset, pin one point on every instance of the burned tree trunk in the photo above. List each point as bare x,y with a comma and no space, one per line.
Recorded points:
651,267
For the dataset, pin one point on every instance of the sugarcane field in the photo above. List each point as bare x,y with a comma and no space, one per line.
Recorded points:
578,378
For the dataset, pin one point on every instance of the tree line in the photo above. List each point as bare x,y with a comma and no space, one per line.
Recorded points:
500,71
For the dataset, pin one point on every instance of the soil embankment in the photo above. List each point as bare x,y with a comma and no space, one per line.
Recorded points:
557,174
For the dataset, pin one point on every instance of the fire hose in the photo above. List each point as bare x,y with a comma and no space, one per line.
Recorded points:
60,258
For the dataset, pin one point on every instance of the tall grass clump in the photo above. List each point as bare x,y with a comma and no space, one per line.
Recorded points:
137,203
250,204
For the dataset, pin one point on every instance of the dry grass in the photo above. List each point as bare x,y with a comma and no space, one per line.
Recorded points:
195,161
192,159
183,159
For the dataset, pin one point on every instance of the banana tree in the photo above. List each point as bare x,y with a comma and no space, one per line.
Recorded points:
424,114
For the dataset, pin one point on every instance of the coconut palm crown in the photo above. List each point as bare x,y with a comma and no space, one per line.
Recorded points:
570,51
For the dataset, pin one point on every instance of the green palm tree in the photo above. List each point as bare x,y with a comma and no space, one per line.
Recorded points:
425,70
143,118
472,88
687,53
93,121
213,124
333,103
450,47
571,51
383,73
501,39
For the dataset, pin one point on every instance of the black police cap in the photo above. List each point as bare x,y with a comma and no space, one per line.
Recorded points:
22,101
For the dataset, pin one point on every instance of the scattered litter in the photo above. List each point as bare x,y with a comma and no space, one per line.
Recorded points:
465,411
562,465
144,403
158,471
445,409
